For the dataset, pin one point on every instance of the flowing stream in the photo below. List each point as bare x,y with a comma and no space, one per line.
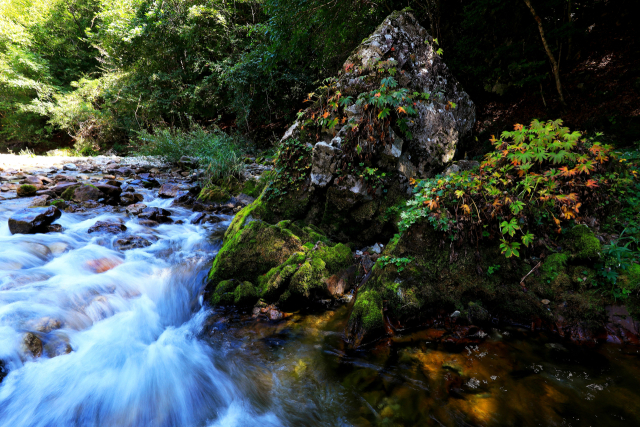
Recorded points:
127,341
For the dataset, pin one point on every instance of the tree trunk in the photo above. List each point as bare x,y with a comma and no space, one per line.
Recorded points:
554,63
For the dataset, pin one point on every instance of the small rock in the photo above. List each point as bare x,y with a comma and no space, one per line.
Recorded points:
545,301
113,191
70,167
136,209
33,180
131,242
376,249
26,190
39,201
198,218
275,314
54,228
33,220
150,183
47,324
156,214
149,223
112,227
168,190
88,192
32,344
46,193
103,264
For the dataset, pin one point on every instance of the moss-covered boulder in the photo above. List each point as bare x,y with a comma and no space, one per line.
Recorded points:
286,262
422,274
26,190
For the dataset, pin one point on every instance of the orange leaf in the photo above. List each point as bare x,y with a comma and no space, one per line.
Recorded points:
518,126
401,110
378,95
592,183
326,114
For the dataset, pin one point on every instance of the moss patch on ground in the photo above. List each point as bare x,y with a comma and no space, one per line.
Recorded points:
480,282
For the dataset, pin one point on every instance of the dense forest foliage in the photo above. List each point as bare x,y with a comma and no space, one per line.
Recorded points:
96,73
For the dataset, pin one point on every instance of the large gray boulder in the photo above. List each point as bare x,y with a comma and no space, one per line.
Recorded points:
345,163
443,122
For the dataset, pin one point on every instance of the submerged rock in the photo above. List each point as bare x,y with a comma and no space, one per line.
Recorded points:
32,344
33,220
131,242
112,227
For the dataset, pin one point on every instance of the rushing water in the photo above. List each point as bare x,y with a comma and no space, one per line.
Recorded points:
127,342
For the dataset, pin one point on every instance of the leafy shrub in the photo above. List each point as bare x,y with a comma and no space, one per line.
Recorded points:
539,178
220,154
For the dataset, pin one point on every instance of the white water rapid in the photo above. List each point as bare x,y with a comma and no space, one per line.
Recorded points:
119,330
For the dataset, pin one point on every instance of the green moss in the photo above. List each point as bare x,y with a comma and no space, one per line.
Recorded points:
273,256
26,190
223,293
253,188
214,194
367,311
584,242
245,294
335,258
68,193
630,280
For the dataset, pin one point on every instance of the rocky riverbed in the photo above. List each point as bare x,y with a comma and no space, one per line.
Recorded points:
105,320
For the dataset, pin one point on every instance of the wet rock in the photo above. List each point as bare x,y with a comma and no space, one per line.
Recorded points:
39,201
128,198
47,324
149,223
198,218
4,371
156,214
168,190
103,264
136,209
32,344
26,190
123,172
33,220
244,199
340,282
33,180
113,227
112,191
150,183
57,345
54,228
62,187
461,165
87,192
49,193
70,167
131,242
